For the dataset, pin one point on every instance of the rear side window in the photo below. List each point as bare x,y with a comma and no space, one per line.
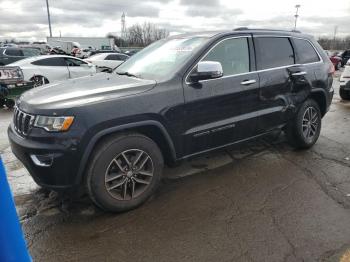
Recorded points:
13,52
305,52
273,52
233,54
54,61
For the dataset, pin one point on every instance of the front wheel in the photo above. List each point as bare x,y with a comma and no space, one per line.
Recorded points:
124,172
304,129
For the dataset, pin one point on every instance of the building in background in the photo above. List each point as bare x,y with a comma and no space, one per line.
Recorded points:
99,43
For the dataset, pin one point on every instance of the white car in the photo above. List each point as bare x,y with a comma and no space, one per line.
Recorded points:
50,68
105,61
345,82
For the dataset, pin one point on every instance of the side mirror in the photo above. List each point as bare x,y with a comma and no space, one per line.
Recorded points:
207,70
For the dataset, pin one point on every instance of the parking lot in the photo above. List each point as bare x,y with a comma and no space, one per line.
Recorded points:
261,202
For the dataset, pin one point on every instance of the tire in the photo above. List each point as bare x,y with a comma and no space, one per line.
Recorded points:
298,128
104,172
338,66
344,94
2,102
9,103
39,81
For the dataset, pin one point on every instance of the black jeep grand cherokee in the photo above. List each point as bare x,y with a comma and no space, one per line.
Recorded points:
177,98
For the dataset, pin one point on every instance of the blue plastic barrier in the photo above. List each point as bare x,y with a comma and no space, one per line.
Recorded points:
12,244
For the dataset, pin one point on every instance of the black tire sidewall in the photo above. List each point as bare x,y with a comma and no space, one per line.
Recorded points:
102,158
301,140
344,94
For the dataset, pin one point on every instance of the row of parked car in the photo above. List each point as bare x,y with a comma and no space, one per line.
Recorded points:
24,68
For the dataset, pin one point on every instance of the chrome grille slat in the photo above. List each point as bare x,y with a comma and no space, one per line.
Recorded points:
22,121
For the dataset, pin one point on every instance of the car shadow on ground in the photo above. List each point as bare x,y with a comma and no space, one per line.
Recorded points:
43,201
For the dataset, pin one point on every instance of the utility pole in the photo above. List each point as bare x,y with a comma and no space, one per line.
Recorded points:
334,36
123,26
296,16
48,16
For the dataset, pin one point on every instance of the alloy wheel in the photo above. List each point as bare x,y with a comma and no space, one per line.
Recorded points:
129,174
310,123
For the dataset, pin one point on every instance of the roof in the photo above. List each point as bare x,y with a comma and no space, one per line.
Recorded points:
240,30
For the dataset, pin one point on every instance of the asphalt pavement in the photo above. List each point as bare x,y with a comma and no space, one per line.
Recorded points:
261,202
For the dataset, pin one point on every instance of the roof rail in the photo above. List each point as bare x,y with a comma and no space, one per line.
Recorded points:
264,29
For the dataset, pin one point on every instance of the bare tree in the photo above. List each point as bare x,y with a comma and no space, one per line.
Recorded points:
334,43
145,34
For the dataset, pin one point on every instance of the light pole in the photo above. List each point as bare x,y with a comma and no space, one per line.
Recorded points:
48,16
296,16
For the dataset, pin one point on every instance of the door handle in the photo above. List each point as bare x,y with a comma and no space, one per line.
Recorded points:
302,73
248,82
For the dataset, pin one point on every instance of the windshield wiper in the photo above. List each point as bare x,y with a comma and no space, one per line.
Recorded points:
127,74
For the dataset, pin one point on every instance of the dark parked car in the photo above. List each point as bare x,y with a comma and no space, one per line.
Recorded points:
345,56
177,98
9,55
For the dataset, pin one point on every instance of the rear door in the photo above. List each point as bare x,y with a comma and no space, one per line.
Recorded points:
287,68
53,68
275,55
223,110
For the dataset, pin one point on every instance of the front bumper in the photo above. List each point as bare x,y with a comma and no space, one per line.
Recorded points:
54,165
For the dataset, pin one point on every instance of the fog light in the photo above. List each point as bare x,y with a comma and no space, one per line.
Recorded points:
42,160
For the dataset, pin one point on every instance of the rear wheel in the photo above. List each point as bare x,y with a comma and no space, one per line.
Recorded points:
39,81
304,130
344,94
124,172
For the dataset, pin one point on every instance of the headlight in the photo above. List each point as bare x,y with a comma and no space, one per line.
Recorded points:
54,123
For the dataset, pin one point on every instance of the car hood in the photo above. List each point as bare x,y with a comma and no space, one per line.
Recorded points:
81,91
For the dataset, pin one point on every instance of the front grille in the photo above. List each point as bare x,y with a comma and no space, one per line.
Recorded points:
22,122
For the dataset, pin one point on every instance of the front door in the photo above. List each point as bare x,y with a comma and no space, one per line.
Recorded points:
79,68
221,111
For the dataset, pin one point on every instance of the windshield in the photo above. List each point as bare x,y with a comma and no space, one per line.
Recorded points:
162,58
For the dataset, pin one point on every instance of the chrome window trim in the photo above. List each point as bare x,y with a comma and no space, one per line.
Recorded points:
256,71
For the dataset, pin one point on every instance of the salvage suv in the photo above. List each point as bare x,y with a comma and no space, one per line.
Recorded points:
111,133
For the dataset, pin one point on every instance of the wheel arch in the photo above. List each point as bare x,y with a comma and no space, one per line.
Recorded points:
319,95
151,128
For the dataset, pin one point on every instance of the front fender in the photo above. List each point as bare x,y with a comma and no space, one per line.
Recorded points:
94,140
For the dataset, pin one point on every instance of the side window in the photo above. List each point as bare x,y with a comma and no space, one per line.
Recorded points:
123,57
273,52
233,54
13,52
112,57
74,62
54,61
305,52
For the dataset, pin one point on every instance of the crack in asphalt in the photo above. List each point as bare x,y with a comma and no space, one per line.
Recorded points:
339,199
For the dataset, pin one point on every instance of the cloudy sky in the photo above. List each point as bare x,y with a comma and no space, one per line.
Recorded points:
27,19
